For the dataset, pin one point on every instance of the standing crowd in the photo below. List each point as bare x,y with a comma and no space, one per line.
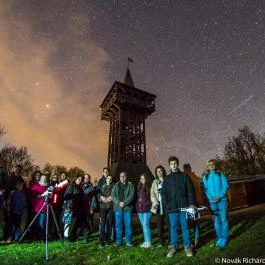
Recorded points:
173,200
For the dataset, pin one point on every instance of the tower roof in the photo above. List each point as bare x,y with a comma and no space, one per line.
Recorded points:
127,80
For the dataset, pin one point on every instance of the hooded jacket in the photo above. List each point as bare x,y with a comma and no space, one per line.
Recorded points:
216,185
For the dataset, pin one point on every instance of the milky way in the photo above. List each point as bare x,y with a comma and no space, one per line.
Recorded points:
202,59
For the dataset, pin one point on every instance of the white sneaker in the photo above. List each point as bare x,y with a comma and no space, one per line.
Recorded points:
147,245
143,245
171,252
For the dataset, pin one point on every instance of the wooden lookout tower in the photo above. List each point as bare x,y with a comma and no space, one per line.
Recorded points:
125,108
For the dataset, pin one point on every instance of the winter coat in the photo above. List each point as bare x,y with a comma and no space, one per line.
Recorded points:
156,197
215,185
102,182
90,202
37,201
106,192
177,192
143,203
74,200
57,198
18,203
128,195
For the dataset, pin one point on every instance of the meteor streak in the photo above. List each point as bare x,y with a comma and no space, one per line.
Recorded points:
241,104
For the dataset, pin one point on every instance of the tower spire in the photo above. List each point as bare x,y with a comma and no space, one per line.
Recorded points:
127,80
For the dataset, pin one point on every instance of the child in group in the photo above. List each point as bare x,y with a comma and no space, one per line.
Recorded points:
17,207
216,188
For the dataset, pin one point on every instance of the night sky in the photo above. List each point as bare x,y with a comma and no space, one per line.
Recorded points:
203,59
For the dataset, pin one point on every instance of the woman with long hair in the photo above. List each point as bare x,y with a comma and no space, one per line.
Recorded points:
157,206
73,208
143,208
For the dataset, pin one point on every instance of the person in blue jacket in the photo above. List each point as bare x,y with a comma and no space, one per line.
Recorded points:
216,187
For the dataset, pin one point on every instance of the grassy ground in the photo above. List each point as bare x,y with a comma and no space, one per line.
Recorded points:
247,236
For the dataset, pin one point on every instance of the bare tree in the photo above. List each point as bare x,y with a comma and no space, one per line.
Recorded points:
244,154
11,157
57,169
75,172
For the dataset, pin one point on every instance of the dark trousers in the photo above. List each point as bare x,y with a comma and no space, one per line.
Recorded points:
6,225
88,225
78,223
106,223
15,225
12,226
160,222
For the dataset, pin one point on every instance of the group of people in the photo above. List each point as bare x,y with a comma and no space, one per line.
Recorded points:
73,205
169,199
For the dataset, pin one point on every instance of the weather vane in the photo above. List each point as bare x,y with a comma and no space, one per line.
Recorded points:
130,60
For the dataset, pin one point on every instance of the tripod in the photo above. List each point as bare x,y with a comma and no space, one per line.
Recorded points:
48,208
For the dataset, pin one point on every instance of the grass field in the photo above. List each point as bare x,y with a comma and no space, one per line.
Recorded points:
247,236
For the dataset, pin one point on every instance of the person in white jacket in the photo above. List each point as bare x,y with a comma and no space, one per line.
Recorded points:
156,199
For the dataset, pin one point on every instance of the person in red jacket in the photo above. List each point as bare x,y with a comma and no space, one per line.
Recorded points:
56,201
29,198
37,202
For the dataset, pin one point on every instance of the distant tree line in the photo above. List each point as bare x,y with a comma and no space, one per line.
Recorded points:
12,156
244,154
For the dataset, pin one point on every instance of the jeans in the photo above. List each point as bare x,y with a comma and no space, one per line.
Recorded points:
42,222
72,227
125,218
176,219
196,230
145,222
220,219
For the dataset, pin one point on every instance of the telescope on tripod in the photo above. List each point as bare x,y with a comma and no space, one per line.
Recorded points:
47,196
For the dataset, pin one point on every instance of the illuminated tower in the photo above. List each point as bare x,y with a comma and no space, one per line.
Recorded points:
125,108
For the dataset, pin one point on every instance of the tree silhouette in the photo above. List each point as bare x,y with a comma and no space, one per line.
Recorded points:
75,172
244,154
11,157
